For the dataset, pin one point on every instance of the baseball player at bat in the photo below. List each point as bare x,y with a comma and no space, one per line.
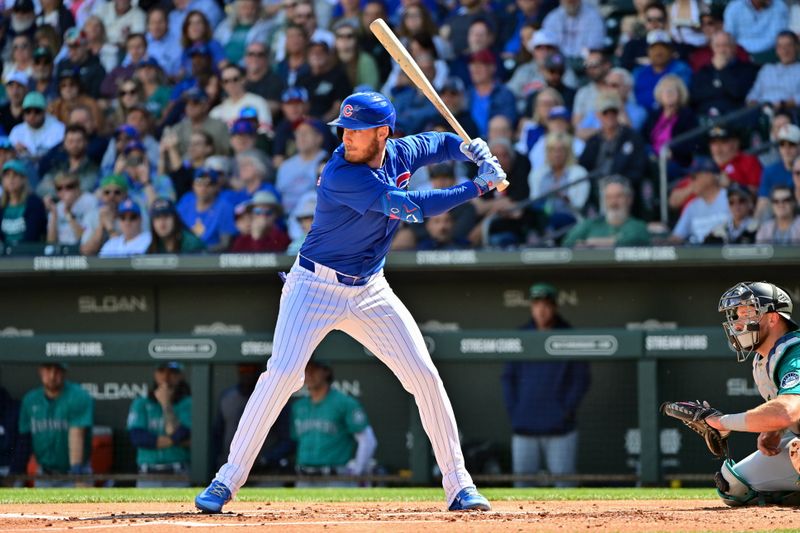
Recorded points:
758,321
337,283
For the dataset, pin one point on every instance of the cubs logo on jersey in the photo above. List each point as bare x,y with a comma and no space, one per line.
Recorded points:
402,180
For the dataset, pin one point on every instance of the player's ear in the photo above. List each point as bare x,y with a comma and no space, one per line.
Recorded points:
383,133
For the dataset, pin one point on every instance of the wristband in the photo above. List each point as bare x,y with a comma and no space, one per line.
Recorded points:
734,422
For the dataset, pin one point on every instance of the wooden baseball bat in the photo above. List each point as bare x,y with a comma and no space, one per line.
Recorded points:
396,49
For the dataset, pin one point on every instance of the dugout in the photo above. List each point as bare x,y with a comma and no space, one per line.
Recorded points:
646,319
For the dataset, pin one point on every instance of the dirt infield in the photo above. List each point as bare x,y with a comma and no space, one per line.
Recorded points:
620,515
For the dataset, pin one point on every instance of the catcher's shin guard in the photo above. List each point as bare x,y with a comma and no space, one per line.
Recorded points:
732,488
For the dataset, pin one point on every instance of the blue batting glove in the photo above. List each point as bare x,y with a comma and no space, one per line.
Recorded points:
477,150
490,173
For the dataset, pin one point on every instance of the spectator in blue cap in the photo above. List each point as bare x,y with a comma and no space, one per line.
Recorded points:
707,210
556,121
263,141
294,107
132,240
123,134
243,136
205,213
22,213
170,236
39,132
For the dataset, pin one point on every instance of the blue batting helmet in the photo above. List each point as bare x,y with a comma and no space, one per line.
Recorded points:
361,111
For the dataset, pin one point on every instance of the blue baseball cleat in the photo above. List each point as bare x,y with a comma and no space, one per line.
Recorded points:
213,498
469,499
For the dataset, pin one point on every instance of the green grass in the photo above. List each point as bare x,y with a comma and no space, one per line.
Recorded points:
116,495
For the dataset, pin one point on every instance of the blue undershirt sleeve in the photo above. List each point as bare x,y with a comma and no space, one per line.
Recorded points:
412,206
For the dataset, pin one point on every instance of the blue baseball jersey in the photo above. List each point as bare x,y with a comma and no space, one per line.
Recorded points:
346,234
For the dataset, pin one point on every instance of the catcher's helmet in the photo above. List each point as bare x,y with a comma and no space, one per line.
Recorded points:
763,297
361,111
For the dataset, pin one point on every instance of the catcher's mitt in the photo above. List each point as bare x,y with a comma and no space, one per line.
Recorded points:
694,415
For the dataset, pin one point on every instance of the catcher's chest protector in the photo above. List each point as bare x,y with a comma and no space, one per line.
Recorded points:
764,367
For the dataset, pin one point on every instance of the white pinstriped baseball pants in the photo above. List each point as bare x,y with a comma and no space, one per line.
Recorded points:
312,305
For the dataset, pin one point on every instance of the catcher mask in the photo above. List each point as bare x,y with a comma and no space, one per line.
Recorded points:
758,298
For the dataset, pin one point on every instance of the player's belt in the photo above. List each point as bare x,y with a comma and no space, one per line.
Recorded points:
344,279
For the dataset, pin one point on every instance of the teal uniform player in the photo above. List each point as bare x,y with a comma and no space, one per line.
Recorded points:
759,322
48,421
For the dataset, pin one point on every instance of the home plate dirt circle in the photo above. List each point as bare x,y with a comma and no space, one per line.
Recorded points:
598,515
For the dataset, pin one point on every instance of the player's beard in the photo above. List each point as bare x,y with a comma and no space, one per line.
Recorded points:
368,154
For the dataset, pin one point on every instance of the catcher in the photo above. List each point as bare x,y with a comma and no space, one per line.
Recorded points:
758,318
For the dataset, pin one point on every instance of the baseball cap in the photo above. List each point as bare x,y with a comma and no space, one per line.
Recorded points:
23,6
16,165
69,73
128,130
790,133
119,180
148,62
205,172
199,49
483,56
195,94
555,61
295,94
18,77
264,198
658,37
220,163
34,100
243,126
558,111
132,146
74,35
734,189
720,132
57,364
543,291
129,206
248,113
703,164
43,51
542,38
608,100
170,365
453,84
318,125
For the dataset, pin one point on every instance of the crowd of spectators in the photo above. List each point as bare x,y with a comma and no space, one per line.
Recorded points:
180,126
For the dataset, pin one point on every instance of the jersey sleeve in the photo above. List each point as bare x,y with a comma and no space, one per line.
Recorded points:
137,415
183,411
81,412
787,375
429,148
353,185
355,418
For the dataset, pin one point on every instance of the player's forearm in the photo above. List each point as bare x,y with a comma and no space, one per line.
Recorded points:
774,415
76,441
366,448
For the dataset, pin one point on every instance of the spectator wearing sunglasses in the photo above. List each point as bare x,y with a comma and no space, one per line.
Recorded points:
741,228
206,213
238,98
265,234
131,239
780,172
71,212
39,131
76,163
784,227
